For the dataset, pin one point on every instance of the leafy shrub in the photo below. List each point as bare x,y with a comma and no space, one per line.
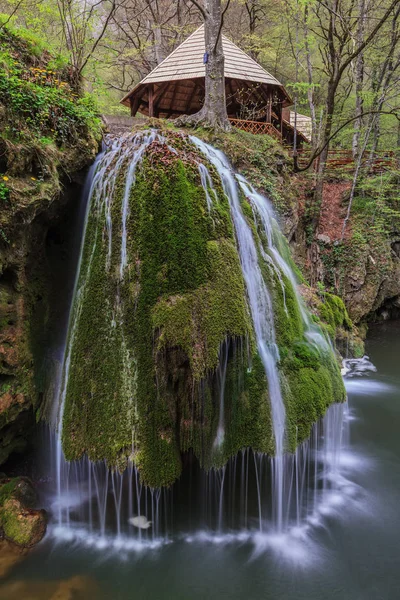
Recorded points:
40,100
4,192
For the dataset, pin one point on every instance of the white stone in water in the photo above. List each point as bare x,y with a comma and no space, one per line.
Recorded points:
140,521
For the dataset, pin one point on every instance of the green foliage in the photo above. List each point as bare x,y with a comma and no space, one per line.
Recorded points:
4,192
40,101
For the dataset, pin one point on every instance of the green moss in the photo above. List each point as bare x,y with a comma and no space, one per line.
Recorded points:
310,375
177,283
14,529
19,523
333,311
199,321
20,528
311,387
99,413
7,489
145,387
248,408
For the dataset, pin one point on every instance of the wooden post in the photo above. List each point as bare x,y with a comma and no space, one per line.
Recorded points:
269,107
279,111
134,105
157,96
151,100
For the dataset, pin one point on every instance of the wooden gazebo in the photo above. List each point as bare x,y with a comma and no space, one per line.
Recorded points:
255,99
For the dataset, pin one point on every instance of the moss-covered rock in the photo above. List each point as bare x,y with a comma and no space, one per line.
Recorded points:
199,321
20,523
47,134
161,286
333,312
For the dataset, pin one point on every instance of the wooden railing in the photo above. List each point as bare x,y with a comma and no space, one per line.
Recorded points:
257,127
344,160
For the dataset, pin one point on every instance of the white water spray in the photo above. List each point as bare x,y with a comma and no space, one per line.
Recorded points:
140,143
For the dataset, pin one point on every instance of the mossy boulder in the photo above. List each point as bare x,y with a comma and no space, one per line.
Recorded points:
162,287
20,523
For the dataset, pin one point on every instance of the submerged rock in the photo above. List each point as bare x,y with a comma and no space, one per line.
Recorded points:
78,587
10,555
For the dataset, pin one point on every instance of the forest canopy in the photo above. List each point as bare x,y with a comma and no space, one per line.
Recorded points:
339,59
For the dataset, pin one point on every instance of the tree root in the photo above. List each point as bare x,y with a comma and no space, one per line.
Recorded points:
204,118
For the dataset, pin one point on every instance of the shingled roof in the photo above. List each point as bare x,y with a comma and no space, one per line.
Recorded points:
186,63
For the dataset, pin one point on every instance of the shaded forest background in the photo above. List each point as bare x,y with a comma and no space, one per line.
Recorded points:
334,56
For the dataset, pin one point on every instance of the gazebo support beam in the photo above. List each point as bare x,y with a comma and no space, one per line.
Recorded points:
151,100
191,96
157,97
269,106
134,102
228,83
171,106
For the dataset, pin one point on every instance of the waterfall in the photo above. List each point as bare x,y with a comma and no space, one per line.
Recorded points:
86,491
221,383
207,184
98,505
260,306
140,143
263,210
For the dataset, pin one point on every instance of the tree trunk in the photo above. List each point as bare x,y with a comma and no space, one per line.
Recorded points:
359,77
310,90
158,49
398,139
213,114
323,157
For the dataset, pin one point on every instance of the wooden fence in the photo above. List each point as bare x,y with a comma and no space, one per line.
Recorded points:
257,127
338,160
344,160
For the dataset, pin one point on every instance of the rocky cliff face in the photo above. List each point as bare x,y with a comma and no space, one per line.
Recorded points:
47,135
363,266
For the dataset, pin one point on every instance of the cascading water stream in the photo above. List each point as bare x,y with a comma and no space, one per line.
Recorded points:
207,184
261,312
96,505
221,383
141,143
285,468
91,480
263,210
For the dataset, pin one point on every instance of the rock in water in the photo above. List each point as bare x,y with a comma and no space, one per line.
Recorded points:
140,521
20,523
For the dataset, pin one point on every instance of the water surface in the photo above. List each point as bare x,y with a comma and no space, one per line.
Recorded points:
352,553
